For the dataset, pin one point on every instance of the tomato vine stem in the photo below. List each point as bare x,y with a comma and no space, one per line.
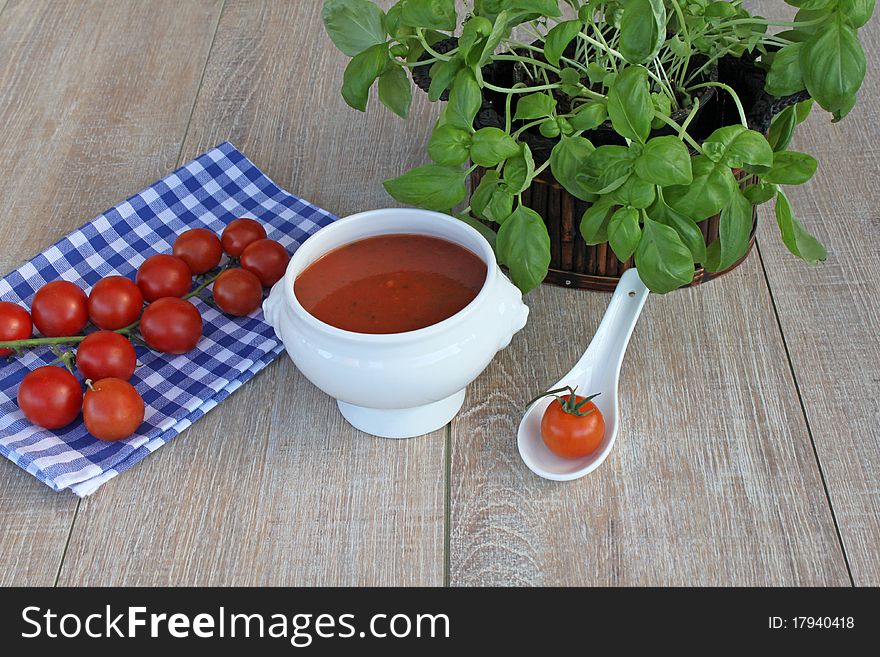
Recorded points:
129,331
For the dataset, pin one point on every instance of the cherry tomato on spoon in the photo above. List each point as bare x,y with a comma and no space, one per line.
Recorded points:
15,324
572,426
115,302
60,308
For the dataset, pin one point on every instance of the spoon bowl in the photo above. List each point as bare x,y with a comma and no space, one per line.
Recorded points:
597,371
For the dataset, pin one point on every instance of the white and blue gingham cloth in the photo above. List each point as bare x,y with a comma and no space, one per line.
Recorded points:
209,192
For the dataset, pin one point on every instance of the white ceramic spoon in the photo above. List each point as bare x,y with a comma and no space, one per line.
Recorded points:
597,371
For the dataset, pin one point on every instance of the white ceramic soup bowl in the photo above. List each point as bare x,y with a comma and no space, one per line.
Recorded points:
397,385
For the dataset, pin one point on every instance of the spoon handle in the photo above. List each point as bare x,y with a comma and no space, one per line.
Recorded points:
606,350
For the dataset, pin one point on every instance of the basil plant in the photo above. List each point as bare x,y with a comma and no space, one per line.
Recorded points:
635,67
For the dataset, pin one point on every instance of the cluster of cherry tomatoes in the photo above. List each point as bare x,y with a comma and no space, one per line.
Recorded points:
52,397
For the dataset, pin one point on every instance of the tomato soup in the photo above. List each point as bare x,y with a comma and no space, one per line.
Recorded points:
390,283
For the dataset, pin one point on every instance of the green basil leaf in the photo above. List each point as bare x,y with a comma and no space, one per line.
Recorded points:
856,12
736,145
629,104
662,259
354,25
635,193
558,38
449,146
519,170
361,73
442,74
433,14
711,189
395,92
500,205
624,233
690,234
642,30
594,223
589,116
782,129
566,161
431,186
543,7
490,235
785,77
392,22
500,30
665,161
483,193
473,31
524,246
606,168
535,106
833,65
760,193
734,231
795,236
662,108
490,146
465,100
790,168
803,109
720,10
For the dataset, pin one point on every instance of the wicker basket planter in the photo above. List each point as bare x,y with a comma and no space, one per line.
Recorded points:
574,263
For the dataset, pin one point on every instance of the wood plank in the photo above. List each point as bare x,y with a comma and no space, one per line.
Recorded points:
89,117
712,482
831,313
273,487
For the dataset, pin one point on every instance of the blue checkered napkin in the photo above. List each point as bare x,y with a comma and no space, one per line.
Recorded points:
209,192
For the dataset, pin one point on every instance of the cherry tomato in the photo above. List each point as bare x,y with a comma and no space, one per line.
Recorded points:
267,259
112,409
115,302
572,427
50,397
60,308
238,292
15,324
239,233
200,249
105,354
171,325
162,276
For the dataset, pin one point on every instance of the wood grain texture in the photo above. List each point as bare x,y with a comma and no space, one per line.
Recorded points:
273,487
94,99
713,480
830,314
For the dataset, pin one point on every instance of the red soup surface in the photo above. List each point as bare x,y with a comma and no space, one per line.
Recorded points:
390,283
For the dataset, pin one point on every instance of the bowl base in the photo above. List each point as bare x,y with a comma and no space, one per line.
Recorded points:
402,422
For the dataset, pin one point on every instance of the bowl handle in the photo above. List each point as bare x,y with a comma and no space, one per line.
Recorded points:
514,310
273,307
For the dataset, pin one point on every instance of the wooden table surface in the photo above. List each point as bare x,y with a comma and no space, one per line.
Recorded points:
749,451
